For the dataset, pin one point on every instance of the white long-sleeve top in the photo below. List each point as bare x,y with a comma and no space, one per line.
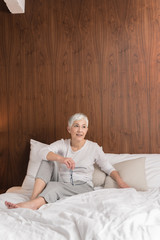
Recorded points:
84,159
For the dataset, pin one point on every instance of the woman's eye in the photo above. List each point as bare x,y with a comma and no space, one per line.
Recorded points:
79,126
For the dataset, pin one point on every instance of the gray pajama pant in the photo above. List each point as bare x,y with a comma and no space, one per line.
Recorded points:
54,190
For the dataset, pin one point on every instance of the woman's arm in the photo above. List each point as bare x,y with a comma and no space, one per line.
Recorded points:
115,175
69,162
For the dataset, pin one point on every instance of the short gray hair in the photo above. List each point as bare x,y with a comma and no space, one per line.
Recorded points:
77,116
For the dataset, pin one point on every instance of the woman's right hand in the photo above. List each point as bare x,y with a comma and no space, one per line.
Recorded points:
69,162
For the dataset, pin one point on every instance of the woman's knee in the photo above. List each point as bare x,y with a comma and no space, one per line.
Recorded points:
45,171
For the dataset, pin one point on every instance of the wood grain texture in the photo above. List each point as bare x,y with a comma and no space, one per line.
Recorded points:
65,56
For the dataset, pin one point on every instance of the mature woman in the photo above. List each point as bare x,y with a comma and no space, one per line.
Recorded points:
68,167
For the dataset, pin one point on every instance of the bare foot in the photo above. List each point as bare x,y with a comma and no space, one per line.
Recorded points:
33,204
20,205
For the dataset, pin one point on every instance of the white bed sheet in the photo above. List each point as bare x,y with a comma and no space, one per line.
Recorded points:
112,214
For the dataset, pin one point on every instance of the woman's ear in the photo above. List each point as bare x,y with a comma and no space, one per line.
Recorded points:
68,129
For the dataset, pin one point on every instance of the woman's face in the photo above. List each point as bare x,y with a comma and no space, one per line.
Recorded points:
78,130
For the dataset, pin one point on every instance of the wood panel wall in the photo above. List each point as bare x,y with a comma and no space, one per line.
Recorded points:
65,56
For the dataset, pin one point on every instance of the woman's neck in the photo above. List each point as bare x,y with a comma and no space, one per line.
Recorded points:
76,145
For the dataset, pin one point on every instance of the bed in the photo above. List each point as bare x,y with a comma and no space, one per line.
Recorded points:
106,213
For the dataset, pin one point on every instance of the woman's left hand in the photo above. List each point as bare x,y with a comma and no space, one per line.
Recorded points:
122,184
115,175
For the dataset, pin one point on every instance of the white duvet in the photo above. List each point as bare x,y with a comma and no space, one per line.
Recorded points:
106,214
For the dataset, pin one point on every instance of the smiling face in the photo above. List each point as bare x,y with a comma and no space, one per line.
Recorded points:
78,130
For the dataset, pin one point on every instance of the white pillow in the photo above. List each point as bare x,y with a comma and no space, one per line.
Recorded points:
132,172
33,164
